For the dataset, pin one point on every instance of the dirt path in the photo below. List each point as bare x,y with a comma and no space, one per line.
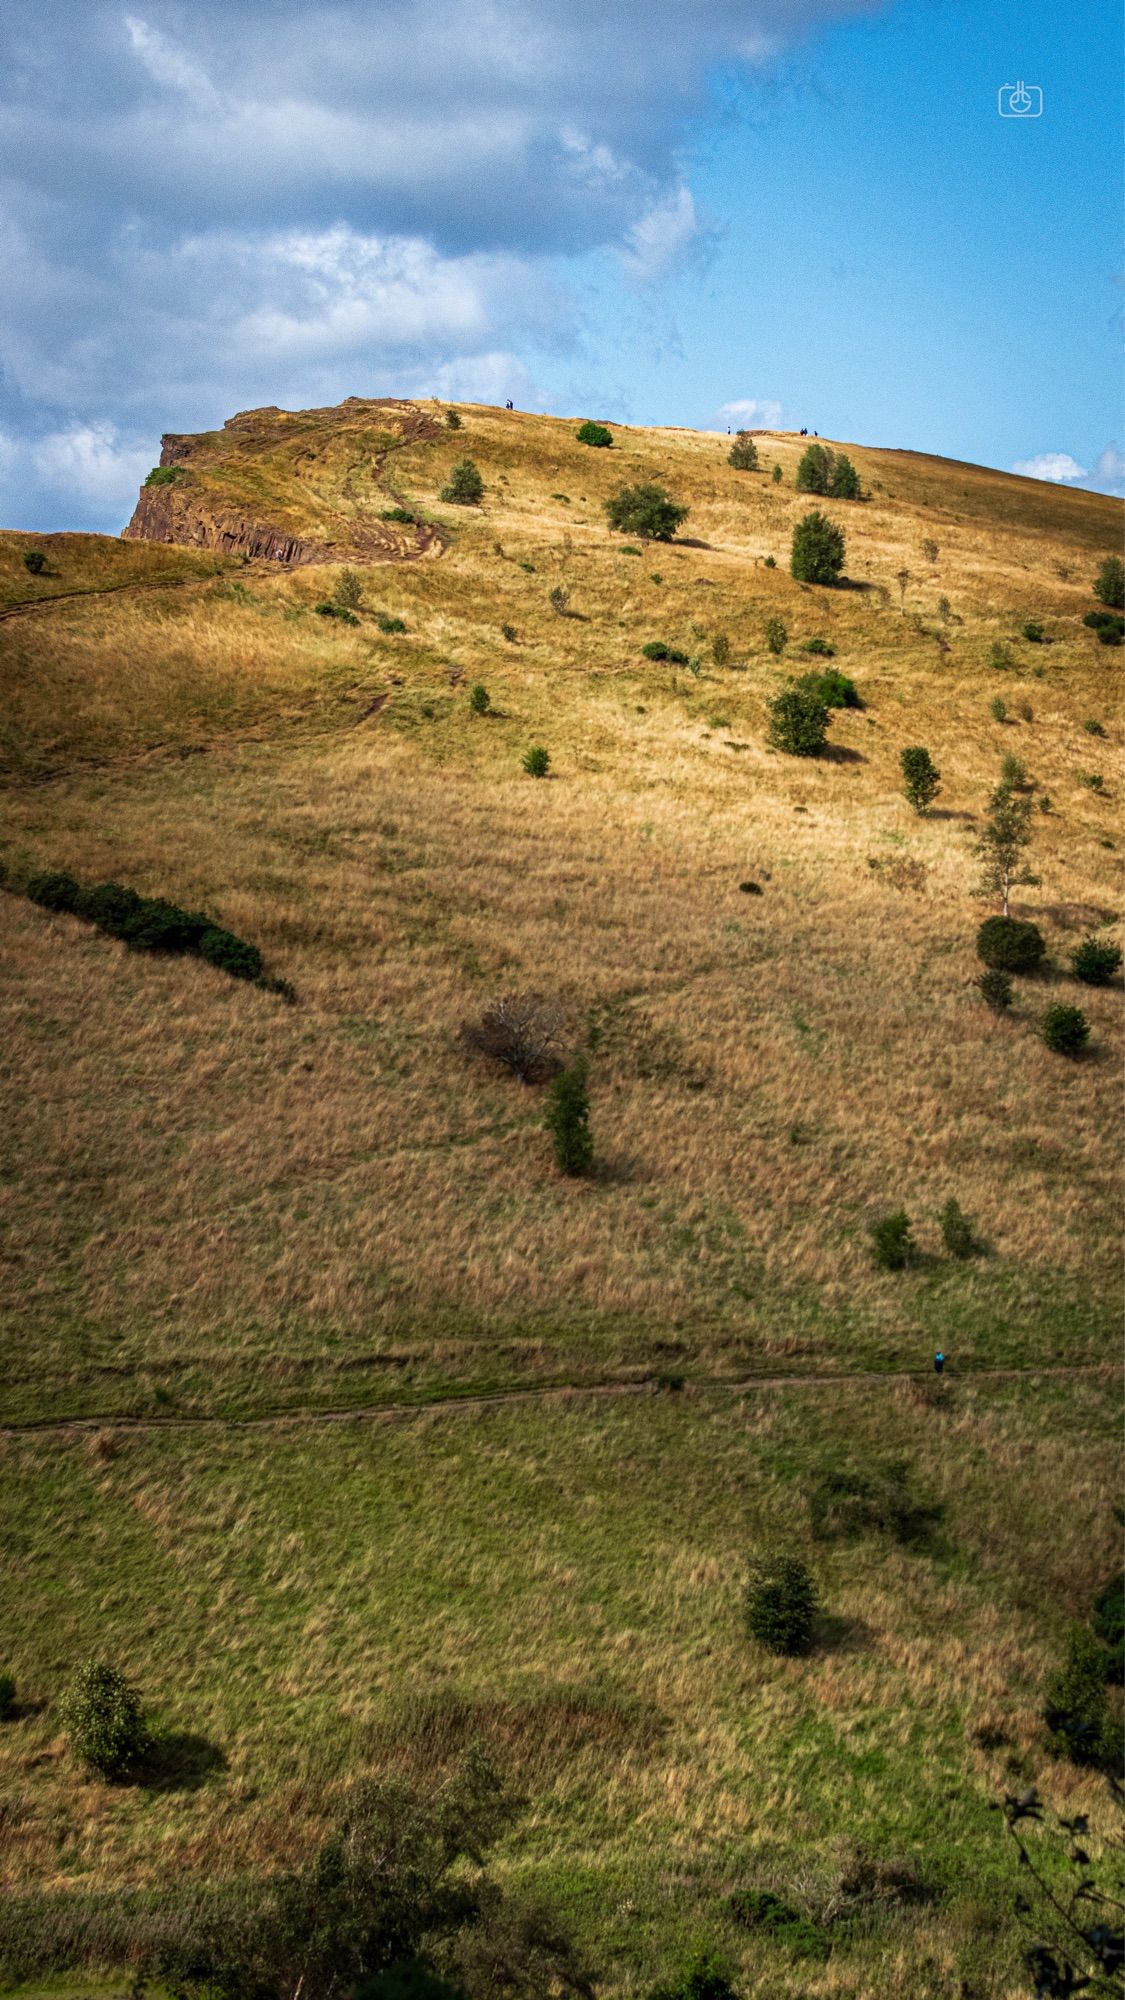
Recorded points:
500,1399
103,590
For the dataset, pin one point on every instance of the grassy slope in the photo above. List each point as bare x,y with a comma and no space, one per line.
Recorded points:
216,1203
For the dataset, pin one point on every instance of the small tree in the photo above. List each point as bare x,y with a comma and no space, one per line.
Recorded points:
34,562
777,636
453,420
957,1230
537,761
465,487
743,454
103,1718
921,778
1065,1030
480,701
645,510
798,722
559,600
568,1120
349,589
814,473
1076,1709
999,848
995,989
523,1031
818,550
892,1244
844,484
1095,962
720,649
781,1603
777,475
594,434
1109,584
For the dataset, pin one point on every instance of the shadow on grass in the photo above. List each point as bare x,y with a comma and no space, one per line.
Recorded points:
833,1634
178,1761
840,753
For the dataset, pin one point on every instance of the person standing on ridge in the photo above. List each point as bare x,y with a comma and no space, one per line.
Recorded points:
939,1362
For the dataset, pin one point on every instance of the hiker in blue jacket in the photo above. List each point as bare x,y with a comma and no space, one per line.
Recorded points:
939,1362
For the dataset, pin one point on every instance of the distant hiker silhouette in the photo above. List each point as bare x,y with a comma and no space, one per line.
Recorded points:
939,1362
804,434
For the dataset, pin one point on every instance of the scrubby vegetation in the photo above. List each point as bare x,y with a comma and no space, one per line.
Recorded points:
798,720
645,510
781,1603
146,923
818,550
598,435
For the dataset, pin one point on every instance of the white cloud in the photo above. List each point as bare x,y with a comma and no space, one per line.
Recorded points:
92,461
1057,466
660,238
1108,475
751,413
168,65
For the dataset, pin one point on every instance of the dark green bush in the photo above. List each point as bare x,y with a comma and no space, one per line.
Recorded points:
568,1120
645,510
1109,584
537,761
814,470
230,954
165,475
844,484
820,647
818,550
1033,632
704,1977
777,636
777,475
1093,961
103,1719
1076,1708
453,420
109,906
657,650
1013,773
849,1501
762,1910
1093,727
1109,626
743,454
781,1603
387,624
995,989
921,779
157,925
464,487
1109,1624
594,434
480,701
892,1244
339,611
54,892
956,1229
1010,945
7,1697
34,561
1065,1030
401,514
834,689
798,722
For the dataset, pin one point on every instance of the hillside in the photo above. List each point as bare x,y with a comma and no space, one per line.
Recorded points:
222,1204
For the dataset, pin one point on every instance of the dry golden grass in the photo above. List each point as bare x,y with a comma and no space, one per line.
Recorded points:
217,1197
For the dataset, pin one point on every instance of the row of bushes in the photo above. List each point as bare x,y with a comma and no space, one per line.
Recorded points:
149,923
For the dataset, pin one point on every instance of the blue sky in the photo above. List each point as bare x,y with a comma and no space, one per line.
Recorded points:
687,212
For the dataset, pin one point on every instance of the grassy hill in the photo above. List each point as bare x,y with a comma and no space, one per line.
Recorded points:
220,1204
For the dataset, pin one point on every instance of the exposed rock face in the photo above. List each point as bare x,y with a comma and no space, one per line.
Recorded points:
195,510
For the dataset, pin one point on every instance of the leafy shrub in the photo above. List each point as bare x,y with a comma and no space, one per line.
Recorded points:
402,514
921,778
892,1244
647,511
568,1120
537,761
327,610
657,650
834,689
995,989
464,487
594,434
349,589
7,1697
34,561
559,599
781,1603
157,925
1013,773
1109,584
777,636
389,624
1076,1709
165,475
1095,962
818,550
103,1719
743,454
844,484
54,892
1065,1030
509,633
998,708
798,722
820,647
109,906
1109,626
480,701
720,649
1010,945
627,550
1000,656
777,475
230,954
1109,1624
453,420
814,471
1033,632
769,562
1092,780
523,1031
1093,727
849,1501
762,1910
704,1977
956,1229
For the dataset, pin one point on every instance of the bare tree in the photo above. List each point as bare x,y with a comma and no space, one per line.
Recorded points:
524,1031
